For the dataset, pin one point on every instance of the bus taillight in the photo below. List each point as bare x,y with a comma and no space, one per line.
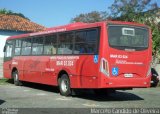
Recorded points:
104,68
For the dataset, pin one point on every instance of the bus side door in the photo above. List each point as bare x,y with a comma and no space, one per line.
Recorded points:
8,54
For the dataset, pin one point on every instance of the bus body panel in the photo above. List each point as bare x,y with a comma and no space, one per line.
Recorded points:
7,69
135,64
83,70
45,69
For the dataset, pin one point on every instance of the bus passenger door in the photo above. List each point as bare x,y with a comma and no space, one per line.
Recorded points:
8,54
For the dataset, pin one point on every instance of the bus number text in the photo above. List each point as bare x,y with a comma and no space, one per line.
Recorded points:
64,63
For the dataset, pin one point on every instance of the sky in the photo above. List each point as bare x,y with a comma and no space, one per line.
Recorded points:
50,13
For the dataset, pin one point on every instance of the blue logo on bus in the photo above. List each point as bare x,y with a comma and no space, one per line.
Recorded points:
95,58
115,71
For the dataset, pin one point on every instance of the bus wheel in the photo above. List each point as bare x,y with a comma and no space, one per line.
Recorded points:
64,85
16,78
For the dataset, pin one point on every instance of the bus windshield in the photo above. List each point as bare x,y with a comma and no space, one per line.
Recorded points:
128,37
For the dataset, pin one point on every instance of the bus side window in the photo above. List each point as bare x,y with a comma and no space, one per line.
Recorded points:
8,49
26,46
65,44
37,46
18,45
80,45
86,41
50,44
91,39
82,50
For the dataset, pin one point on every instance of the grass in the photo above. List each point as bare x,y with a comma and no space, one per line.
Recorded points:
3,81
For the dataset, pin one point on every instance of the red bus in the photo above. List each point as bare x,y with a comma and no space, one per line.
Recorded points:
99,56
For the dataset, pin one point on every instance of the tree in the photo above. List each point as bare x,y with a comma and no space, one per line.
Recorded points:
91,17
133,10
141,11
9,12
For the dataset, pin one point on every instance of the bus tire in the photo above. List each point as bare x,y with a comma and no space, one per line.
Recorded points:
16,78
64,85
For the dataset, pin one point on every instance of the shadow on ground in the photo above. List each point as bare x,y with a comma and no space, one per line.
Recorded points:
41,87
38,86
1,101
87,94
117,96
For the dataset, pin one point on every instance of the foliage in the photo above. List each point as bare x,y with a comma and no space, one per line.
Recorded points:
131,10
91,17
141,11
3,81
156,37
9,12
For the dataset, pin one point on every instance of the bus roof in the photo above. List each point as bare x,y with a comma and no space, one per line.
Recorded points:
73,26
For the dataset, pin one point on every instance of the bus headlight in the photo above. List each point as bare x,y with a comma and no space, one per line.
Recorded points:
104,68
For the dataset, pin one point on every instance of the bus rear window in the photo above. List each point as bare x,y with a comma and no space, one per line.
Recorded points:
128,37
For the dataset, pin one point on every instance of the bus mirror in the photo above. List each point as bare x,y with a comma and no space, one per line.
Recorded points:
4,49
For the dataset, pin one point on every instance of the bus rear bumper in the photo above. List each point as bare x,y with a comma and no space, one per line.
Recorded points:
126,83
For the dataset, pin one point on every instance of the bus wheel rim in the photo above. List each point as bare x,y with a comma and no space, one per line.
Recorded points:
64,85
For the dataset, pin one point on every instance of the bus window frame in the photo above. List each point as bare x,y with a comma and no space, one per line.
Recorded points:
12,53
133,26
57,34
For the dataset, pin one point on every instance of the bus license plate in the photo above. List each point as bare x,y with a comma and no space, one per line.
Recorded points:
128,75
